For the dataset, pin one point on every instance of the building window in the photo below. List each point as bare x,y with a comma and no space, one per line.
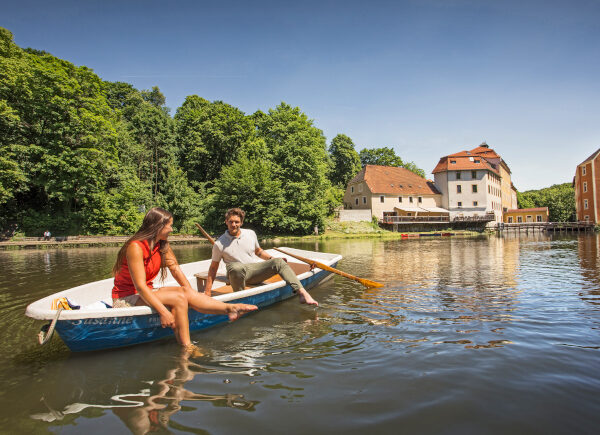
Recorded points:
364,199
453,162
477,161
420,199
458,175
510,220
585,186
473,174
410,199
352,189
458,188
459,204
585,204
382,198
587,218
356,201
538,218
519,219
474,187
360,187
399,199
583,171
474,203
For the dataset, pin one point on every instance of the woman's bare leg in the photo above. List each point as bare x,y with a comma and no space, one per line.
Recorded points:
206,304
176,301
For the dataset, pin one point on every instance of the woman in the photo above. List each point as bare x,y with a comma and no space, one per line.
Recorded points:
140,260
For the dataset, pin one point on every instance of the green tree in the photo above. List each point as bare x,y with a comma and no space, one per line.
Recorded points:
250,183
301,165
63,138
345,160
386,156
210,135
559,198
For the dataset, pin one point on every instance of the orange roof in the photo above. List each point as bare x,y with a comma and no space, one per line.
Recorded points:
527,209
463,164
489,160
396,181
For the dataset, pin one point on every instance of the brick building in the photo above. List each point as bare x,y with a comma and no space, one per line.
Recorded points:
587,189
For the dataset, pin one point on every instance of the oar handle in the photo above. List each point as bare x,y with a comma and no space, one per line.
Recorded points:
205,234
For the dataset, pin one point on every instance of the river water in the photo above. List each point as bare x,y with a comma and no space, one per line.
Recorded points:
469,335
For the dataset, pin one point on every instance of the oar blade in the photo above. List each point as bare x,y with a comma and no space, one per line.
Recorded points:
363,281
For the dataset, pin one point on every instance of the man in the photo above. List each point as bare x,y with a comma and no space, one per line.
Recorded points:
240,251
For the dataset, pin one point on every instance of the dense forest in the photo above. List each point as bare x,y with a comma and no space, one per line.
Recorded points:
559,198
80,155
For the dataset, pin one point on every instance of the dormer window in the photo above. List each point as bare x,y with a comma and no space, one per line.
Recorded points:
477,161
453,162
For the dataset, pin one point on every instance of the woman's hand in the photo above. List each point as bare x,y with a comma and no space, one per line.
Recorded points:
167,320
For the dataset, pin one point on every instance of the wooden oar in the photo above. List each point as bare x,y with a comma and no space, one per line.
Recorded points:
210,239
363,281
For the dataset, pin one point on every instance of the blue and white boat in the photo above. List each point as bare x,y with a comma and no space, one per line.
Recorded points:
96,326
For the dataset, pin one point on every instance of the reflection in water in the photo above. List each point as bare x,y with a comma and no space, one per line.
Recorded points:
588,249
516,316
151,409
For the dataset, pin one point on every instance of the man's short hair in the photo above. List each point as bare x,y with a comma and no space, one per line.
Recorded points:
235,212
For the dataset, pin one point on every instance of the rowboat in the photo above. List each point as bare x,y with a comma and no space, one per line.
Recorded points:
96,325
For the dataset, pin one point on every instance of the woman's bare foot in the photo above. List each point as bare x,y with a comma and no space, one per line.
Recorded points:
306,298
192,351
235,311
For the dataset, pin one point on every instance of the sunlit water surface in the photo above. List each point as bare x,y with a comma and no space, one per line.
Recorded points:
469,335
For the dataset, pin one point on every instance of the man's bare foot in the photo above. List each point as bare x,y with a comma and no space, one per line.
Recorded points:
306,298
235,311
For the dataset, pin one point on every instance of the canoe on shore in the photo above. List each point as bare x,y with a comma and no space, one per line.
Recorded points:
96,326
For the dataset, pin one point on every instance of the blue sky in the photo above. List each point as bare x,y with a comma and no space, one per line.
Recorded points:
426,77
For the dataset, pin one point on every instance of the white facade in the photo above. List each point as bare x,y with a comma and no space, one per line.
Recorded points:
467,193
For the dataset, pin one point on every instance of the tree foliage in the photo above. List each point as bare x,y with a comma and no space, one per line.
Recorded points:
559,198
81,155
345,161
386,156
211,135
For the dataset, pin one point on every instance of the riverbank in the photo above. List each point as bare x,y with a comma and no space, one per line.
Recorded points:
333,230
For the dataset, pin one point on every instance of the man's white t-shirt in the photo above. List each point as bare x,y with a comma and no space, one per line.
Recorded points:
236,249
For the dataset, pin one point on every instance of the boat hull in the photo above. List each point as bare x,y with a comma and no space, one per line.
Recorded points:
97,333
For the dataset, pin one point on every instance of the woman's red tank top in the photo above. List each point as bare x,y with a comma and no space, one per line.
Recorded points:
152,260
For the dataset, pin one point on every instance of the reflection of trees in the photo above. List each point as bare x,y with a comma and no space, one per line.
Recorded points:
151,409
588,249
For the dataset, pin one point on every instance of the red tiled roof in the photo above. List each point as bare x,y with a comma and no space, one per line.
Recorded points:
590,157
527,209
396,181
463,164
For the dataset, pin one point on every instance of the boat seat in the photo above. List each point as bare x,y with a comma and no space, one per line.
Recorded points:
298,268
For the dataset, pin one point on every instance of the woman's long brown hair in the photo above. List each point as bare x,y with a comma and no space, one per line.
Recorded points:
154,221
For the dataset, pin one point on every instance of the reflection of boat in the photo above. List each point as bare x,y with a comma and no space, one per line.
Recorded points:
95,326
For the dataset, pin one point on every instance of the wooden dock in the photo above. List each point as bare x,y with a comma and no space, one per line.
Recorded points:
555,227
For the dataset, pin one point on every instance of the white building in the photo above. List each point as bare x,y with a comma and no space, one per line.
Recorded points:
394,192
475,183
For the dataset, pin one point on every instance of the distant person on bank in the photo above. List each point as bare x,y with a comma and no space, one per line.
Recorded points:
238,247
140,260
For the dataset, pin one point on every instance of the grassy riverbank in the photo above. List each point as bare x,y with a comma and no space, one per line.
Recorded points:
333,230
